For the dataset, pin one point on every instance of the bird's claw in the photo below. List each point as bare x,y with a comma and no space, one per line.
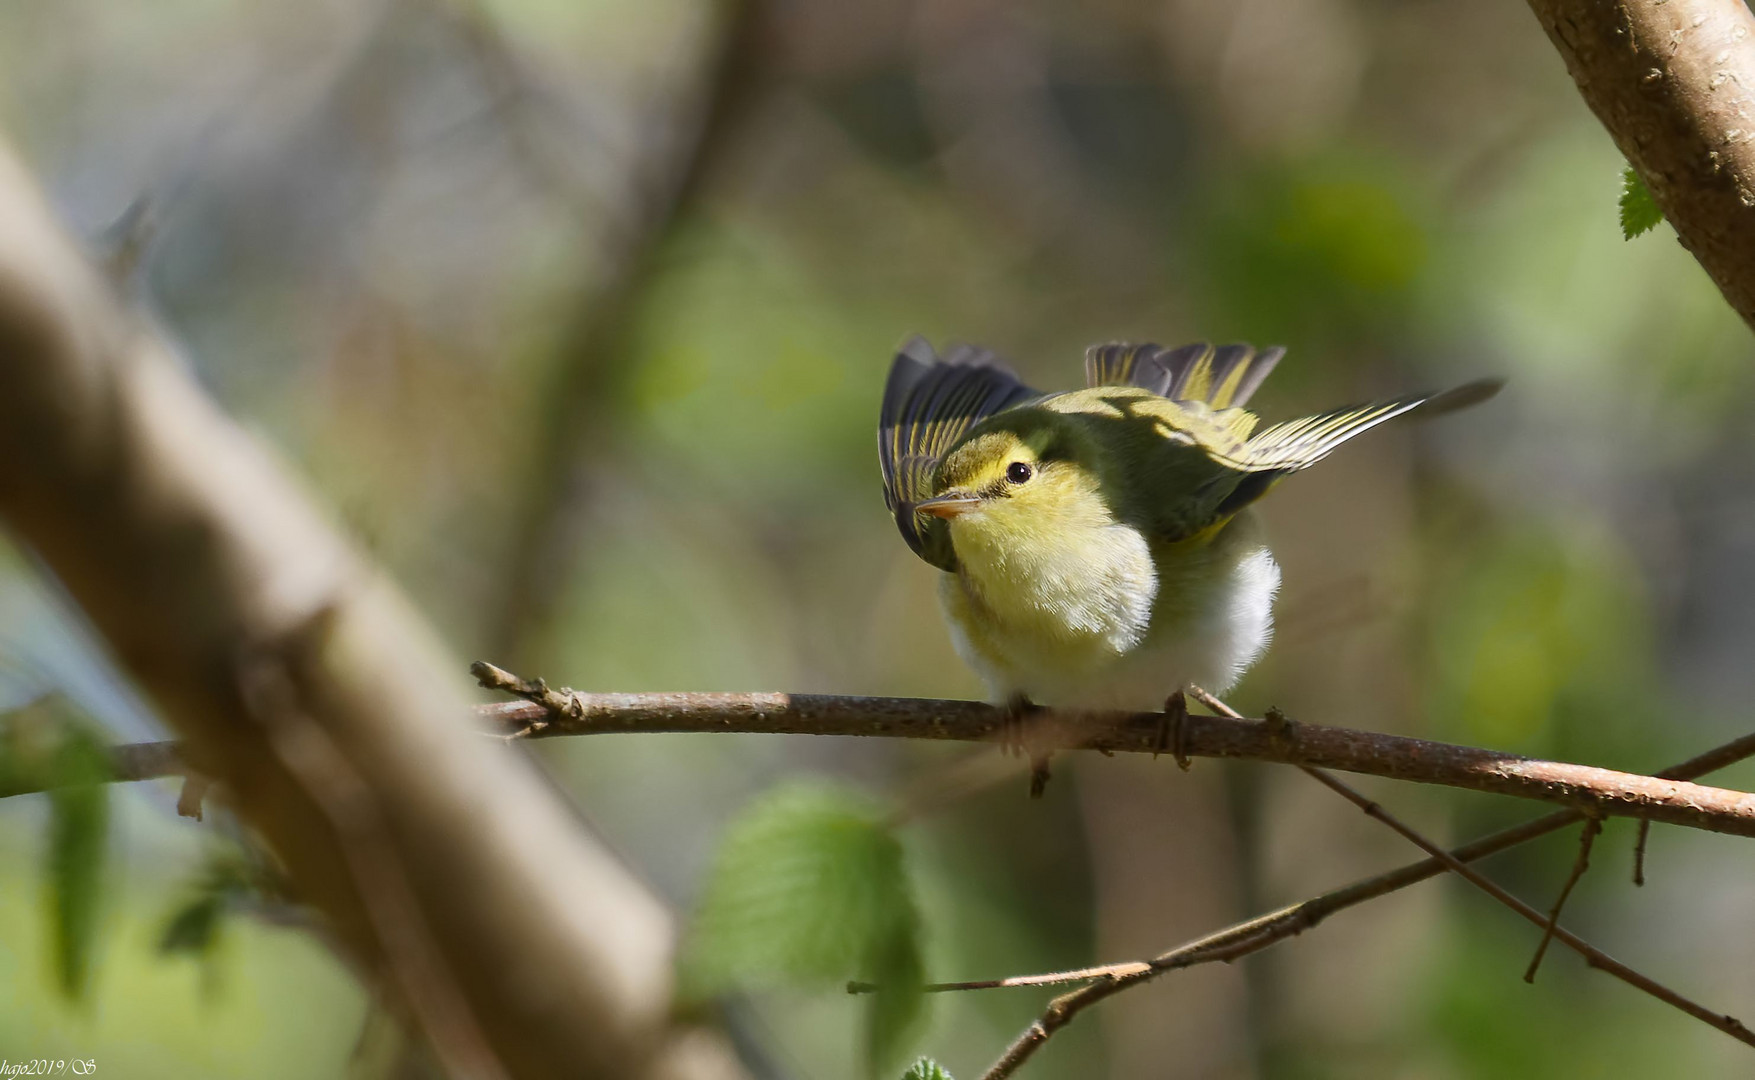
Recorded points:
1173,730
1015,739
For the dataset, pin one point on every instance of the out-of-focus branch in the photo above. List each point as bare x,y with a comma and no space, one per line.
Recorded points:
580,407
1673,81
204,565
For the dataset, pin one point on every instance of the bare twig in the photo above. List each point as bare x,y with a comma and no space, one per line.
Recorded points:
189,800
1247,937
1586,838
1551,925
550,713
1639,851
1593,956
1606,792
1262,931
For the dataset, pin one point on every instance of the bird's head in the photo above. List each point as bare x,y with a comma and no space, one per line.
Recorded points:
1024,480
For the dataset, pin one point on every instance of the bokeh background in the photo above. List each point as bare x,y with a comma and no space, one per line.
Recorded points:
578,315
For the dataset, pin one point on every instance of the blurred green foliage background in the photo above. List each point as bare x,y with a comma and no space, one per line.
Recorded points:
380,231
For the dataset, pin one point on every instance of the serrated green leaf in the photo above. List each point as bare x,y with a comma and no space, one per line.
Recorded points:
79,807
1639,211
927,1069
809,888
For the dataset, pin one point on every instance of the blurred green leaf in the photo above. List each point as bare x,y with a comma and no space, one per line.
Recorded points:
193,927
927,1069
78,833
810,888
1639,211
196,927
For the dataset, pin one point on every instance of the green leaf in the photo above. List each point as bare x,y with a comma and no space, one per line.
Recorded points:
79,824
192,928
226,878
927,1069
1639,211
899,1001
809,888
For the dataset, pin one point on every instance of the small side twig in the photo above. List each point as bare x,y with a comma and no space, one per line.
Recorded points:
1595,957
1253,935
1639,851
560,704
1586,838
195,787
1550,926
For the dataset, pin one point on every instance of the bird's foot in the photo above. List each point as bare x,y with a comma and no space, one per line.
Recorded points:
1015,739
1173,730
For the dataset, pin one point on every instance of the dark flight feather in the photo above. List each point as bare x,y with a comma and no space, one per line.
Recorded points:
929,404
1219,378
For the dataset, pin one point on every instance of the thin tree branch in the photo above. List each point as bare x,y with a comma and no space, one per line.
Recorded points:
1551,925
1595,957
547,712
1639,851
1603,791
1587,839
550,713
1252,935
1673,81
1264,930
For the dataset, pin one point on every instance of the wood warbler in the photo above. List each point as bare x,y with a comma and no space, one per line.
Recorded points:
1097,546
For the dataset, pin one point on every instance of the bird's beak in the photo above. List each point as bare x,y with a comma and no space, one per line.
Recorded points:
948,505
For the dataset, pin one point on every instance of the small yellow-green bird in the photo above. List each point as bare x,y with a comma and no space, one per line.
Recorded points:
1097,547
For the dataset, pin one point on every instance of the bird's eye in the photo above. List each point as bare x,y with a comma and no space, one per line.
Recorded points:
1018,472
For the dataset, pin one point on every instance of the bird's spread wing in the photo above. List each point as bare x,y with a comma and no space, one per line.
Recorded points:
1220,378
1242,464
1299,444
929,403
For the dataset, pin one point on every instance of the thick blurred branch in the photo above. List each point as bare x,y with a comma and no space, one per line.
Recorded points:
580,407
1673,81
302,682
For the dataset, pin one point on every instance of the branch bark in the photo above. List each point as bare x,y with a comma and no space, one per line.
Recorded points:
1604,792
301,680
1597,792
1673,81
